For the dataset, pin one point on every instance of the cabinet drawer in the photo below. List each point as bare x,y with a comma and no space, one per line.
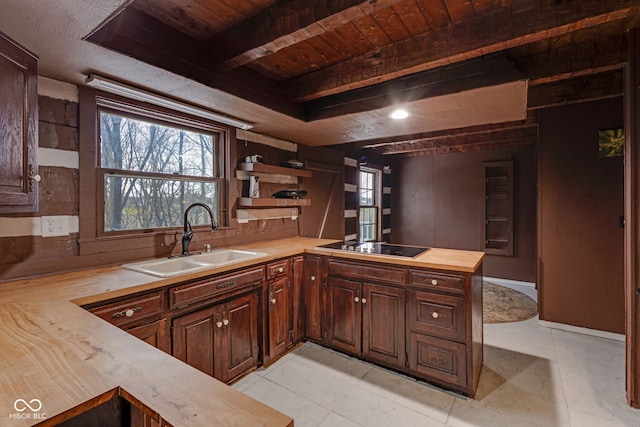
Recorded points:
131,310
438,360
436,314
392,275
183,295
441,281
278,268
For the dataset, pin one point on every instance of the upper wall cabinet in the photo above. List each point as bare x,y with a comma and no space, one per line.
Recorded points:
18,128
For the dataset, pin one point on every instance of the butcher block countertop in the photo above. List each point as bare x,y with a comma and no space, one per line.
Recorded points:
56,352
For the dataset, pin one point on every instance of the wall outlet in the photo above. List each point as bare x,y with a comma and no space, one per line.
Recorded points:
55,226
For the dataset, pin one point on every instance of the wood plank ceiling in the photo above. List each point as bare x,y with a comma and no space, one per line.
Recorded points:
324,58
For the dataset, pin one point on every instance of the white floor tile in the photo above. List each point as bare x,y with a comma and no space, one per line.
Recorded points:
304,412
532,376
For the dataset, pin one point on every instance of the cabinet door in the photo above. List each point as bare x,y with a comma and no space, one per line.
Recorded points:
345,315
383,320
297,299
19,129
193,339
154,333
279,316
313,291
239,336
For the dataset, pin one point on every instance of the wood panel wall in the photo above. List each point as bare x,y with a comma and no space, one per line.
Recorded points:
581,196
438,201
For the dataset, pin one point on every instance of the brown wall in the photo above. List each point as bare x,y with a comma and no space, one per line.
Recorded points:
438,201
25,256
581,199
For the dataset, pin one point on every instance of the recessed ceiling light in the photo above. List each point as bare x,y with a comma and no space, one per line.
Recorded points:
399,114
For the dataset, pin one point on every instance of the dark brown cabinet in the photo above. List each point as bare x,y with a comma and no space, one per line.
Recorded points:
19,130
155,333
220,340
314,283
366,319
444,328
141,316
280,334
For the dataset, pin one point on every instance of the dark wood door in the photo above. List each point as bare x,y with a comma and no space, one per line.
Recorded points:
154,333
279,316
383,320
239,336
193,338
345,315
313,296
297,299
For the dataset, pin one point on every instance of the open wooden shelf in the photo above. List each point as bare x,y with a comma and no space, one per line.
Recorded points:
262,168
264,202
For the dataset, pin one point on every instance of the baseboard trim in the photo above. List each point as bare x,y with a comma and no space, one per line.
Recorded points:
499,281
581,330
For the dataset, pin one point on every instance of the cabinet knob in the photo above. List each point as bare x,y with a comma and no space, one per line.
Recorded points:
273,301
435,315
219,324
364,300
280,270
434,282
129,313
313,278
356,299
225,322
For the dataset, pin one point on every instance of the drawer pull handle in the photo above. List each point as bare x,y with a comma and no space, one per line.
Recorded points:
356,299
434,282
435,315
225,322
224,284
364,300
313,278
126,313
219,324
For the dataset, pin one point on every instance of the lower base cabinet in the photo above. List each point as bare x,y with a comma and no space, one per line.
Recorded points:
367,320
155,333
220,340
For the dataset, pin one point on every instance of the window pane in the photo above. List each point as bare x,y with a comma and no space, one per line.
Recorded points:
136,145
132,203
368,224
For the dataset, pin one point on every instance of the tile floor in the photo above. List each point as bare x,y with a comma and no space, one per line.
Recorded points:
532,376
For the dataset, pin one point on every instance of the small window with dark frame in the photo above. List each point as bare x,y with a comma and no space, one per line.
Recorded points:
369,211
150,170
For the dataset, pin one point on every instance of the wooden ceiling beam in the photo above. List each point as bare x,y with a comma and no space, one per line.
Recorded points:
600,55
522,22
579,89
488,140
284,24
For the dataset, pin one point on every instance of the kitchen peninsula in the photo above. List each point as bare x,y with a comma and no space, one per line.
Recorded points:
69,359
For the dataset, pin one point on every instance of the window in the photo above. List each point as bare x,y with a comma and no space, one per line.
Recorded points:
141,166
369,205
150,172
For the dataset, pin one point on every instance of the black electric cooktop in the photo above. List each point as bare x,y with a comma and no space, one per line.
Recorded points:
377,248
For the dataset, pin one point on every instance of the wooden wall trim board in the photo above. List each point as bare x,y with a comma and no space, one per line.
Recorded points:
632,216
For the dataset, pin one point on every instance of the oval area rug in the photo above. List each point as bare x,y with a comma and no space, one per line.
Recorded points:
501,304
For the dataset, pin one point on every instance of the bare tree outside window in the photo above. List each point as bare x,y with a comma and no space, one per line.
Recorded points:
153,171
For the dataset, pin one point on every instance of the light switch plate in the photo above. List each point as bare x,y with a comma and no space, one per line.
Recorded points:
55,226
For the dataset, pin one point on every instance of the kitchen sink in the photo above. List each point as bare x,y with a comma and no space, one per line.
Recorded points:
170,267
